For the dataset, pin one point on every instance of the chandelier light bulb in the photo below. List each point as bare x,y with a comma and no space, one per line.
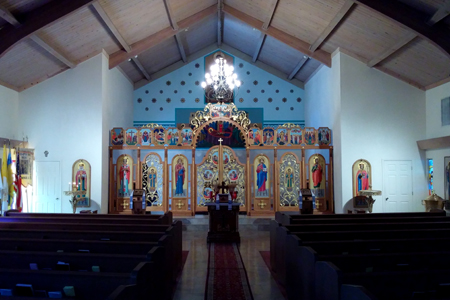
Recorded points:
207,75
238,83
203,84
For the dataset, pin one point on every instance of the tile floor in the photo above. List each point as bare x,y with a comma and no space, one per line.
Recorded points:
254,238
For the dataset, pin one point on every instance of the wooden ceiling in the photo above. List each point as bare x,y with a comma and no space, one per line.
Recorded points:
408,39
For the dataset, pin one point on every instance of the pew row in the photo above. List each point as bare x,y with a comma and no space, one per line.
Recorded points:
88,262
388,285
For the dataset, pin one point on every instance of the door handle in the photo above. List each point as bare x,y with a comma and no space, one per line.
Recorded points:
387,198
57,198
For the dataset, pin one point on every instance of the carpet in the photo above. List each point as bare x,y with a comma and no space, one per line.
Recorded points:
266,258
227,277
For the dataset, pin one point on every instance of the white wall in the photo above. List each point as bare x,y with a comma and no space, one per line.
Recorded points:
434,129
9,102
63,115
382,118
117,111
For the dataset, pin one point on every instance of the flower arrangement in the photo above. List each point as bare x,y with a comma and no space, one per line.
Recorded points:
74,193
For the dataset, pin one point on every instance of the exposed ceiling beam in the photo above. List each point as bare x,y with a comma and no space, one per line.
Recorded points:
8,17
258,48
391,50
441,13
180,44
145,44
265,25
297,68
407,16
273,6
37,19
333,24
52,50
170,15
302,46
401,77
174,25
141,68
113,29
109,24
219,22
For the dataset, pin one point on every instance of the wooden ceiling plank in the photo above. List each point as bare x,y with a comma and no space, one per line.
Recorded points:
8,17
219,22
170,15
258,48
407,16
333,24
120,56
391,50
273,6
440,14
436,84
180,44
141,68
9,86
297,68
52,50
109,24
302,46
37,19
402,78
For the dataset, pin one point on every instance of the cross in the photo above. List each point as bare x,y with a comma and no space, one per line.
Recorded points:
223,187
124,204
220,141
180,204
262,204
318,204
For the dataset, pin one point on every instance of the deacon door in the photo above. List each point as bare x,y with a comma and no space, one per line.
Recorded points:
397,186
48,188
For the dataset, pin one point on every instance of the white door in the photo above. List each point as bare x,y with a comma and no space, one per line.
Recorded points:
48,187
397,186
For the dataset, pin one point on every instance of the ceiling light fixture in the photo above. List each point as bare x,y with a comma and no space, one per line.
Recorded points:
219,84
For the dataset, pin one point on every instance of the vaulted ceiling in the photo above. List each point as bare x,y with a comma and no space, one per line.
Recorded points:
407,39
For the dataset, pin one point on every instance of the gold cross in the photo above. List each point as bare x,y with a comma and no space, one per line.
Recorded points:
318,204
180,204
124,204
262,204
220,141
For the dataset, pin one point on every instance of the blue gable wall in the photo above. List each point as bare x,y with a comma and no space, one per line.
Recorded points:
161,101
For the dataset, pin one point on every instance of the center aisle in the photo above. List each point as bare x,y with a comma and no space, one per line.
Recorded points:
254,238
227,278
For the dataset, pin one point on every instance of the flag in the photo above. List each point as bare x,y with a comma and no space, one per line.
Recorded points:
18,185
4,179
10,180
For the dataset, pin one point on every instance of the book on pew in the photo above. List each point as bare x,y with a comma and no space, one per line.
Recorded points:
24,290
6,292
62,266
95,269
55,295
69,291
33,266
83,250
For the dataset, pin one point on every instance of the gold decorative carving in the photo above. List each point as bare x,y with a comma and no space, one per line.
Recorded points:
151,125
238,116
289,179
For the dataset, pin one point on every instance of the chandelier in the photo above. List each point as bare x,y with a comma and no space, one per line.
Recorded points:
219,84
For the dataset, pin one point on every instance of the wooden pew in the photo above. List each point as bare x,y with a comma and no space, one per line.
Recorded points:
301,267
124,292
384,285
167,216
162,220
107,263
177,246
341,232
88,285
356,292
283,217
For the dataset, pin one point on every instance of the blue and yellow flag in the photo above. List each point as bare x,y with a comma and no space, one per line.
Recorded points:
9,178
5,191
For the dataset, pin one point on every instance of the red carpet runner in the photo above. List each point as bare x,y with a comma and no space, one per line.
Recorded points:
227,278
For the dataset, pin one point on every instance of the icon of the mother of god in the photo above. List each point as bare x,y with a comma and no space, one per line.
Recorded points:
180,174
363,178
